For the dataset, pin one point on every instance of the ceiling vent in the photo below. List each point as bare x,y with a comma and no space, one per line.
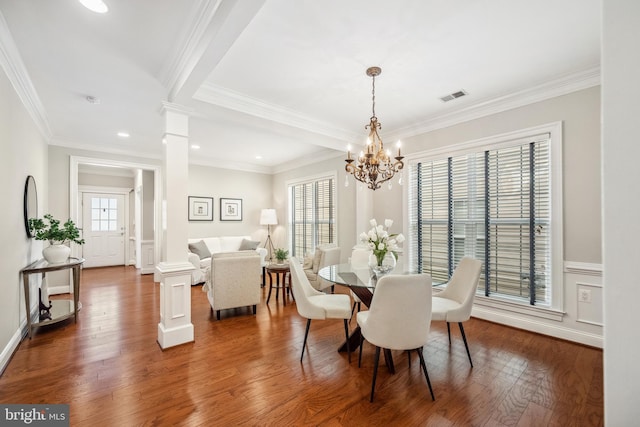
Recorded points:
453,95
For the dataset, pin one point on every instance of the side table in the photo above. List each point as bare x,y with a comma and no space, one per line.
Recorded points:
280,269
59,310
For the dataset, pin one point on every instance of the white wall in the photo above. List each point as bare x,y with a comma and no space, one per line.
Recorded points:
99,180
23,152
621,204
253,188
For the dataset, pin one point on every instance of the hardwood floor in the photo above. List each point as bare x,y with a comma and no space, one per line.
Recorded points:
245,370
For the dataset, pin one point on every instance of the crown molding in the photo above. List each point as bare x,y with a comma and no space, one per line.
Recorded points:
226,164
110,150
550,89
232,100
176,71
14,68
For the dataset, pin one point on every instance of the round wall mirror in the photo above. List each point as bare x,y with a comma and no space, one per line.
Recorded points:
30,203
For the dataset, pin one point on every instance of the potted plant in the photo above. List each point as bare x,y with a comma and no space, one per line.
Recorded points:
281,255
56,235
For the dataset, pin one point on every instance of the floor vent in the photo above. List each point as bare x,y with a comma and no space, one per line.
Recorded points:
453,95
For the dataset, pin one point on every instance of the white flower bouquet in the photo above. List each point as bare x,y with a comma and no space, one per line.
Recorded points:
380,241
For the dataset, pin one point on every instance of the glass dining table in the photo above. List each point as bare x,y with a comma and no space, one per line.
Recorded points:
359,279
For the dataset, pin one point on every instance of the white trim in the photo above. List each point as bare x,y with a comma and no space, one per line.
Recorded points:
12,345
235,101
583,268
16,71
176,71
74,161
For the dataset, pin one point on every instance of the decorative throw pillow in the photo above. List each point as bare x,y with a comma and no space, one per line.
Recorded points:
248,245
200,248
317,256
307,263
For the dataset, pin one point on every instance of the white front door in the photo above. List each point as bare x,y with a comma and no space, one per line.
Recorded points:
103,229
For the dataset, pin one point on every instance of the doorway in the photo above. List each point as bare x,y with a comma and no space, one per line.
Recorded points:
152,249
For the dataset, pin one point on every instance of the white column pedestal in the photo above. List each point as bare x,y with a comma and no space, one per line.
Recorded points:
175,325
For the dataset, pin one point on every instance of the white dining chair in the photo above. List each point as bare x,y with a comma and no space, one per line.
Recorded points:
359,259
317,305
455,302
399,318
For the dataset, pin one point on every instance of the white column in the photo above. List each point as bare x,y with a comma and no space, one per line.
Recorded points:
620,206
175,325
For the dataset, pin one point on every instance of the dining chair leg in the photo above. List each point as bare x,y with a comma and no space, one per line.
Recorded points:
375,372
464,338
304,344
449,332
424,368
346,333
361,345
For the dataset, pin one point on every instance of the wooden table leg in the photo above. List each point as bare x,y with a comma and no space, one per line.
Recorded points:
270,286
354,341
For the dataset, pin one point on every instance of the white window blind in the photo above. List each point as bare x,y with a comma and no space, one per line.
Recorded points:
312,215
493,205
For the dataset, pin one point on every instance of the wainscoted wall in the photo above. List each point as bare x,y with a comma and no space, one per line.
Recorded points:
148,260
585,280
580,321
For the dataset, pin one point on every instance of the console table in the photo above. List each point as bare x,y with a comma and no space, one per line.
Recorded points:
59,310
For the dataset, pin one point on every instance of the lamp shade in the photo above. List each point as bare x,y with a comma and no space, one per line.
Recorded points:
268,217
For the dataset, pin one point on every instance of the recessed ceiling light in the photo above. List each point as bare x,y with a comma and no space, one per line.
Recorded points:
97,6
195,147
123,134
258,157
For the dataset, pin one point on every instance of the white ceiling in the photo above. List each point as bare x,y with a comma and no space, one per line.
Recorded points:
286,79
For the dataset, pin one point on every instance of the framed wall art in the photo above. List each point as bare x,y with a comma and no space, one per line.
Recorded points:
200,208
230,209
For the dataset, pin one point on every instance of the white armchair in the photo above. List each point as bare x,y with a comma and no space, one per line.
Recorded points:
324,255
200,250
235,281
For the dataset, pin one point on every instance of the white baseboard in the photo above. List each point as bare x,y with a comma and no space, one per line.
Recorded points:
533,325
12,345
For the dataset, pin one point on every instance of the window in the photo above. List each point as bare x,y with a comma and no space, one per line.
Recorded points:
312,214
104,214
491,202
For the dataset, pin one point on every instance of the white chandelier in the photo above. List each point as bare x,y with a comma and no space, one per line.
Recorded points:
374,165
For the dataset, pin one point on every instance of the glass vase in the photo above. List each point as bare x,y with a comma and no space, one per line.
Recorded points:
382,266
